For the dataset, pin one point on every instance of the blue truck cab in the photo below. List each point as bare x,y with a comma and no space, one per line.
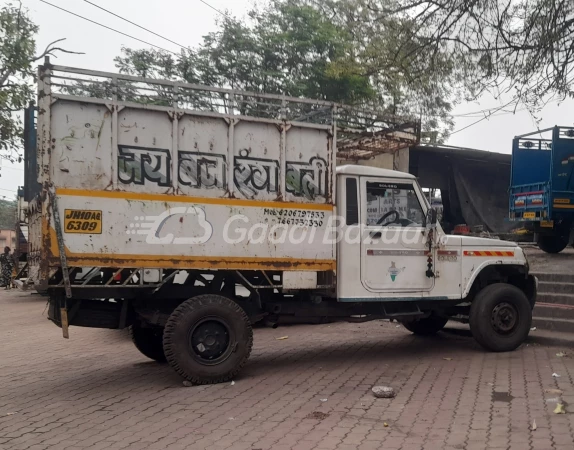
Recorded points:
542,185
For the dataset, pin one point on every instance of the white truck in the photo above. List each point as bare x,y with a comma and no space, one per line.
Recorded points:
189,213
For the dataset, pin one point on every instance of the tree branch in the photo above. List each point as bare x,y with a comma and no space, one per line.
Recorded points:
50,50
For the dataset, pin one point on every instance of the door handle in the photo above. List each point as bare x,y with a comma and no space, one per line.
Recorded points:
375,234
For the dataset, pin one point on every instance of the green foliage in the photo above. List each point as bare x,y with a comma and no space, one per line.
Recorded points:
287,48
460,49
8,211
17,49
302,49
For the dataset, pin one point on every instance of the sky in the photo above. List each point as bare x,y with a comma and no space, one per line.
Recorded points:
186,22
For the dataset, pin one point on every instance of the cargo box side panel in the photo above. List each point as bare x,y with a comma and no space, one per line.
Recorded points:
203,149
174,190
308,174
81,154
143,230
257,161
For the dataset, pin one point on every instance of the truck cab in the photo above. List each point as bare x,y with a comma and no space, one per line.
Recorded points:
392,251
389,249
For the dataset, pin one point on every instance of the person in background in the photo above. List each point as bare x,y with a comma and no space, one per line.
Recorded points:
7,266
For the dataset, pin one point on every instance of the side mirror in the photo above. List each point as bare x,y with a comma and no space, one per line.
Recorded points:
432,217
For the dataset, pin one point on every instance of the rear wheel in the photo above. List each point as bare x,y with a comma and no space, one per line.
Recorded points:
552,243
208,339
500,317
148,341
427,326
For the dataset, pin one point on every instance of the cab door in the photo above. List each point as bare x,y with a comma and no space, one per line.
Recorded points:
394,247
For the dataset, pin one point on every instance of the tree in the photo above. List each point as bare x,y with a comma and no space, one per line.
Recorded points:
521,48
284,49
407,85
294,47
406,57
17,57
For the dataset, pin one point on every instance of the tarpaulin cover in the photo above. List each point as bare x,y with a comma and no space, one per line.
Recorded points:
479,192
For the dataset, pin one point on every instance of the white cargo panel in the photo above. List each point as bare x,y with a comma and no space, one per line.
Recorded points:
167,187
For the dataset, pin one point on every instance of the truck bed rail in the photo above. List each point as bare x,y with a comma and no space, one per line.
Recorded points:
362,132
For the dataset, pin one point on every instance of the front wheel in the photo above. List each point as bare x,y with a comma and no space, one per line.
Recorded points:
427,326
500,317
208,339
552,244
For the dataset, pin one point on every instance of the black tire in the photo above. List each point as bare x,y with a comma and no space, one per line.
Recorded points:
427,326
552,244
500,317
149,341
208,339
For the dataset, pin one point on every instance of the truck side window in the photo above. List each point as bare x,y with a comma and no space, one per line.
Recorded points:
393,204
352,213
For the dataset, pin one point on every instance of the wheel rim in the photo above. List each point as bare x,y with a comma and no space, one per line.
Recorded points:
210,341
504,318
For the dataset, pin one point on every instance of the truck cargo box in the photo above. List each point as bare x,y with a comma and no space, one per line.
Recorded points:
542,184
140,173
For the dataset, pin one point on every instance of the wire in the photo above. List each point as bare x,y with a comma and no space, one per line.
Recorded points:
109,28
484,118
474,113
133,23
214,8
481,112
11,168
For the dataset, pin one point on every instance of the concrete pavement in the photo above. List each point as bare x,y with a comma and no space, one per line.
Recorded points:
309,391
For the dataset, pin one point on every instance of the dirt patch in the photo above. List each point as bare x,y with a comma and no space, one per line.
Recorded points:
317,415
501,397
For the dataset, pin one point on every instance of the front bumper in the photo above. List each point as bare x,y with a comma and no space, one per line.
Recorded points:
531,290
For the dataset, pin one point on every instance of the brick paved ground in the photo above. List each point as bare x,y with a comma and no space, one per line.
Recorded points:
96,391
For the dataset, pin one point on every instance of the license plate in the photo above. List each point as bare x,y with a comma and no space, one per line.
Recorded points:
547,224
529,215
82,221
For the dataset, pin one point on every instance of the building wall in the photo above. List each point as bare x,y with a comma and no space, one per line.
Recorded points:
397,161
7,238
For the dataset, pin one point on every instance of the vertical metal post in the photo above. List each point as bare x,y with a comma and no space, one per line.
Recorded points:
64,318
44,150
283,152
175,139
60,238
60,302
333,161
230,148
31,185
63,263
44,116
175,151
114,109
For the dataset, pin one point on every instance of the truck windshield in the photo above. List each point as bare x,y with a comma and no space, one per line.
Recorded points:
393,204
